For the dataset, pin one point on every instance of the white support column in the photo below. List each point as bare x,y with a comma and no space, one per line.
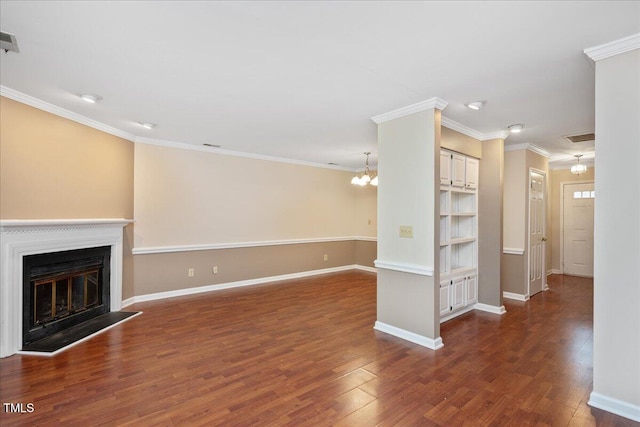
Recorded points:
408,167
616,324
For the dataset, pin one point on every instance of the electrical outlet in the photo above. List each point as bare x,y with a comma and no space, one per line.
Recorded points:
406,231
215,269
326,257
191,272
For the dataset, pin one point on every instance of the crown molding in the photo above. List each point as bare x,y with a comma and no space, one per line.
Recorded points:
616,47
61,112
206,149
528,146
466,130
433,103
459,127
501,134
58,111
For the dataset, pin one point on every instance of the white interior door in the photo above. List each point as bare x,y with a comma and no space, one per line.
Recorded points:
577,218
537,211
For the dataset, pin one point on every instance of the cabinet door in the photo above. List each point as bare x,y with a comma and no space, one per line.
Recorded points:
445,298
472,290
457,293
445,168
458,170
471,173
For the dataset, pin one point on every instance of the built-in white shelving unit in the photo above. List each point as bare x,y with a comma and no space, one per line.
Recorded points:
458,234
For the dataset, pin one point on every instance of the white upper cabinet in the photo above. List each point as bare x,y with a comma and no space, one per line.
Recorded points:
458,170
445,168
471,173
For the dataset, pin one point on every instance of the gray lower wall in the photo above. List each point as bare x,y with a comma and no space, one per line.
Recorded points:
513,271
403,299
366,253
490,222
162,272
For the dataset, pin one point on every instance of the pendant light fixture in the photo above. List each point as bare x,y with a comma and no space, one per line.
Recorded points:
578,168
367,177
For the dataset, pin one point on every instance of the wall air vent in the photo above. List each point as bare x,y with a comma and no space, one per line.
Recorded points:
580,138
8,42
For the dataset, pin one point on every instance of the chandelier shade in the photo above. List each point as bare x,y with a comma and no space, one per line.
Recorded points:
366,177
578,168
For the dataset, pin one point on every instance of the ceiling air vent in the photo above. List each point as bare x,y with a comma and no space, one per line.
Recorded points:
8,42
581,138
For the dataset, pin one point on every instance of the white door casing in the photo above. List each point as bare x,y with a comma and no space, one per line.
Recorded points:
577,225
536,235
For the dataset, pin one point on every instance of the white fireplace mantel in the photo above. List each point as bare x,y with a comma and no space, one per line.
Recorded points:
20,238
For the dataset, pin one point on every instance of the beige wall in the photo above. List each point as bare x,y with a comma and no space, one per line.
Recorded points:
190,197
516,216
54,168
461,143
515,185
490,189
366,217
558,177
182,197
186,197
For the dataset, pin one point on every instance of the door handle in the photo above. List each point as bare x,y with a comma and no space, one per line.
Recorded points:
544,239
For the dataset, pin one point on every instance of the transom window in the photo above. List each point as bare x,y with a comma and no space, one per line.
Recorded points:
584,194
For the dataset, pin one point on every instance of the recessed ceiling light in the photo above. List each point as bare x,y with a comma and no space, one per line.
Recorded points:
148,125
91,98
476,105
516,128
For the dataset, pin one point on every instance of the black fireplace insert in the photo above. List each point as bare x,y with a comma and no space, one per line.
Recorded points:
63,289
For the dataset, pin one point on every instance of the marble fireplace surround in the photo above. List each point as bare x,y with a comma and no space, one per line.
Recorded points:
19,238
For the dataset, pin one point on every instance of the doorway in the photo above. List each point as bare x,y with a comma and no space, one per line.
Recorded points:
537,239
577,229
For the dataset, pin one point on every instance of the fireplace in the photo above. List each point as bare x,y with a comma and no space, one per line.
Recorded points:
20,239
63,289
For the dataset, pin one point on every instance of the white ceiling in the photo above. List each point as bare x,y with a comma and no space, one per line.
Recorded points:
301,80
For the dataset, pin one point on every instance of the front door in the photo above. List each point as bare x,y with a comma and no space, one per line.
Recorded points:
577,218
537,212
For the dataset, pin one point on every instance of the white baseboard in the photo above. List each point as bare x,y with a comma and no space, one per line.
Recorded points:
553,271
456,313
241,283
366,268
615,406
490,308
517,297
433,344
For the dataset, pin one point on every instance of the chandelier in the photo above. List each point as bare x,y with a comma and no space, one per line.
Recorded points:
366,177
578,168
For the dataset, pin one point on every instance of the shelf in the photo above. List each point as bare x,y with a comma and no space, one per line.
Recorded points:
458,233
460,190
460,240
459,270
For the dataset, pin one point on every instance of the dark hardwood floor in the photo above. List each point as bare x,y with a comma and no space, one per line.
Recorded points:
304,352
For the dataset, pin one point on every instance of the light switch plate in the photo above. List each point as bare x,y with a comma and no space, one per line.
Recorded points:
406,231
